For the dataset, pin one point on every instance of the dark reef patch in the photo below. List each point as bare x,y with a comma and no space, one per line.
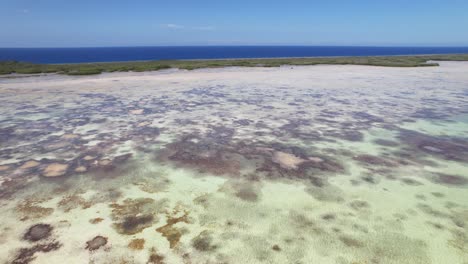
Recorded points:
449,148
372,160
386,143
359,205
411,182
26,255
134,215
451,180
247,194
429,113
351,242
367,118
203,155
134,224
328,217
204,242
155,258
276,248
96,243
38,232
346,134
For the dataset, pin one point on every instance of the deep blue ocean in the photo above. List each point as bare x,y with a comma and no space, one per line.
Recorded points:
76,55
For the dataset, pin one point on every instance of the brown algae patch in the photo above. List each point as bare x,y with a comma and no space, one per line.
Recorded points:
134,215
73,201
137,244
172,233
96,220
155,258
30,209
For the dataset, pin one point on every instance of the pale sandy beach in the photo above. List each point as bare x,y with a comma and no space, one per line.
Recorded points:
303,164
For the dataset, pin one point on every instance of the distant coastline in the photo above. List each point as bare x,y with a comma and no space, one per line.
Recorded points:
8,67
131,54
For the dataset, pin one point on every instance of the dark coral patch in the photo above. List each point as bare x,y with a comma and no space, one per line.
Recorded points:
449,148
134,224
386,143
247,194
26,255
367,159
204,155
96,243
38,232
155,258
204,242
329,217
359,205
452,180
351,242
134,215
276,248
411,182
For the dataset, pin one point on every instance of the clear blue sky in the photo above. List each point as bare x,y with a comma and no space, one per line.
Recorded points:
63,23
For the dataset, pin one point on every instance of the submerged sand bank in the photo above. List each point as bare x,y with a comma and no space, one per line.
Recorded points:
312,164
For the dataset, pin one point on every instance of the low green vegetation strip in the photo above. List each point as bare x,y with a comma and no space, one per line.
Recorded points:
7,67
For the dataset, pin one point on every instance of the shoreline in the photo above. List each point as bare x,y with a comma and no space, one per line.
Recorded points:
9,67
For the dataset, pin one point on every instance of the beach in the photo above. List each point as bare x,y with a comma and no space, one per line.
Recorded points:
292,164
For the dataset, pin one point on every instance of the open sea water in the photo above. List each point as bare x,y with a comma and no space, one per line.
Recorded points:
109,54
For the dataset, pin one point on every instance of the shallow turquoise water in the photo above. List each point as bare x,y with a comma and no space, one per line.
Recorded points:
326,164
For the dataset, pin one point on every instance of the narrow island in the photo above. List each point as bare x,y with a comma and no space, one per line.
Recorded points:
8,67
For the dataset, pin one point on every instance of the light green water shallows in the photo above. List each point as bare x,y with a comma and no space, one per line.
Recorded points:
317,164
